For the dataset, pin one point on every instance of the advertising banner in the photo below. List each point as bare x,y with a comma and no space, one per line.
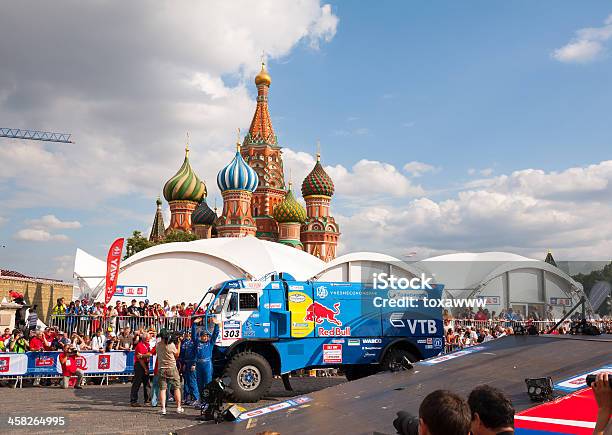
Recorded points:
112,269
13,364
95,363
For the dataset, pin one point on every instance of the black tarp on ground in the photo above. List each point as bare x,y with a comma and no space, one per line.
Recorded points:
370,404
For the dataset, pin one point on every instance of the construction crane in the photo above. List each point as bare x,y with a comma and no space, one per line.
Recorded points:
45,136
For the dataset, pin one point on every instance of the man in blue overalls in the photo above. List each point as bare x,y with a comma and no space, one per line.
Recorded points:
190,387
203,345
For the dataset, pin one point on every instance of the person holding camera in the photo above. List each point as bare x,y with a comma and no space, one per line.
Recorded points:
203,345
18,343
168,350
142,354
69,367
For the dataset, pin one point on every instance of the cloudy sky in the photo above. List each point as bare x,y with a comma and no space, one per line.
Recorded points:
446,127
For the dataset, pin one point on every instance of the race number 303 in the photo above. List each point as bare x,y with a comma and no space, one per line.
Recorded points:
231,329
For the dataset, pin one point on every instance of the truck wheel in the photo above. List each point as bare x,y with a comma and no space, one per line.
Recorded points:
397,359
250,376
355,372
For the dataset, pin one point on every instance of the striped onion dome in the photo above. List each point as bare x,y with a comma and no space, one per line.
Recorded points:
317,182
289,209
238,175
203,215
185,185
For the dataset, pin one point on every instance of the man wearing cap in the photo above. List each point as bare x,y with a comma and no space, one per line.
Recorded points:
203,344
133,313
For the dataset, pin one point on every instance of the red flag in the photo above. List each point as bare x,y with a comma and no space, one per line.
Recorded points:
112,269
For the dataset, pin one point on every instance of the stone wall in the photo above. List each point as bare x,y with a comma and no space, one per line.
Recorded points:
41,293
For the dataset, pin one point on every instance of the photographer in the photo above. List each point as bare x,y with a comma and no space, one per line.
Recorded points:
18,343
440,413
168,350
69,367
203,345
492,412
603,396
142,354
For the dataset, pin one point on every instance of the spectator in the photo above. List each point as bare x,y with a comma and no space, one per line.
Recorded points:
2,347
603,396
444,413
59,309
69,367
125,339
167,352
7,335
98,343
492,412
18,343
111,342
480,315
142,354
86,344
38,343
76,341
133,313
32,320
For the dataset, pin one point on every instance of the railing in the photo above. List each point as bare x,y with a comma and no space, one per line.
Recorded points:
541,325
88,325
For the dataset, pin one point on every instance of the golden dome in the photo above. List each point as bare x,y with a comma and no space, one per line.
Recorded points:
263,78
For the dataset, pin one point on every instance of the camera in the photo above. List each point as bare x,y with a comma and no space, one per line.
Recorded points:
214,395
406,423
591,378
170,336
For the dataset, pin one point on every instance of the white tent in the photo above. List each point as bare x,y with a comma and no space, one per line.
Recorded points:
89,273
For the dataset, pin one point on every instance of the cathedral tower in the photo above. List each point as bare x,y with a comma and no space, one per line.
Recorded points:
261,151
320,232
158,229
183,192
237,182
290,215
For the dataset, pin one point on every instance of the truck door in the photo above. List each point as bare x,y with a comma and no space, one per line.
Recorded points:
300,302
245,316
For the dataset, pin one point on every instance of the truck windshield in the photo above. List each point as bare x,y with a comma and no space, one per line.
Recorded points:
214,306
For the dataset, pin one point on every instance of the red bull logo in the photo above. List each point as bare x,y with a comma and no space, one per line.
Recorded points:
319,313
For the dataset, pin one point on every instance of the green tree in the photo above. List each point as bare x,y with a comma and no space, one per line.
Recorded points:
137,243
178,236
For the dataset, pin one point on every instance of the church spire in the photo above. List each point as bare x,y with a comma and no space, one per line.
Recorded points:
261,131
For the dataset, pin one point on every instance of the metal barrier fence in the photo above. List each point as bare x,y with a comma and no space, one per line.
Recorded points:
88,325
541,325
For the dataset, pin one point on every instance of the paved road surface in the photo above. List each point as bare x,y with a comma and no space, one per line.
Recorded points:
105,409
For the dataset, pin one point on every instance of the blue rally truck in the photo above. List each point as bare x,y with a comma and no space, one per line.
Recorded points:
276,326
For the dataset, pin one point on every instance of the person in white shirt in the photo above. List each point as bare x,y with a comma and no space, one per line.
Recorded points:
98,343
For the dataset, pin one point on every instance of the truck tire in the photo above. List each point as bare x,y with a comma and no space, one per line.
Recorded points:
395,359
250,376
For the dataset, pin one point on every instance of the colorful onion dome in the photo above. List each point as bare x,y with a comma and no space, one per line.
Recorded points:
289,209
203,215
185,185
238,175
317,182
263,78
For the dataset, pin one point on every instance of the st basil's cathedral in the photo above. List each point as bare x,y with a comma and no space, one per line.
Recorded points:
256,200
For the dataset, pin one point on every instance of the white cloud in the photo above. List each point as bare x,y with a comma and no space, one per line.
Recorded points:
526,212
65,265
588,45
37,235
51,222
486,172
417,169
163,75
366,177
3,220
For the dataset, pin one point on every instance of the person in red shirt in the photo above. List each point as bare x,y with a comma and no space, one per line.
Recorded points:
68,362
188,314
38,342
6,335
142,354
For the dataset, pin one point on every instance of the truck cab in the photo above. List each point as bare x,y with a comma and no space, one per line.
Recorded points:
277,325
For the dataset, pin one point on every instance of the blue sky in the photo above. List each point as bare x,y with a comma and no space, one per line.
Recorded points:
517,139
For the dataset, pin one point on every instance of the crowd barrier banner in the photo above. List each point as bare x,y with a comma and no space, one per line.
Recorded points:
15,364
41,364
